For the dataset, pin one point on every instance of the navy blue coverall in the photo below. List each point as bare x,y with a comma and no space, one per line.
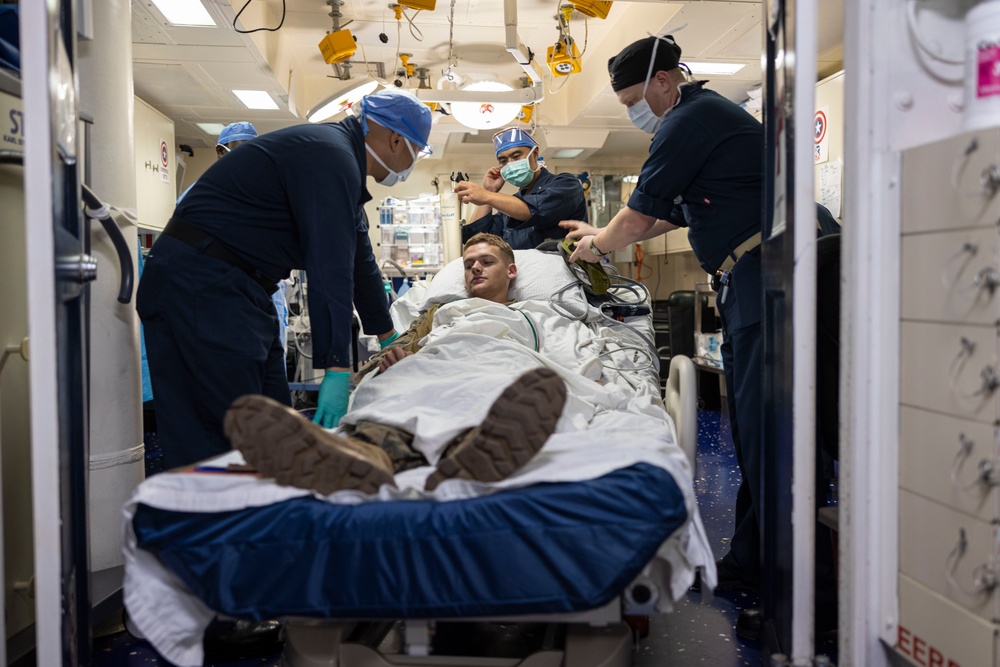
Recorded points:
709,153
551,199
290,199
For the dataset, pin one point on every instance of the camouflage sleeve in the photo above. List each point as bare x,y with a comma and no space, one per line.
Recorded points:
408,340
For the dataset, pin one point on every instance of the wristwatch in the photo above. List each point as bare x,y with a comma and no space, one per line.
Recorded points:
595,250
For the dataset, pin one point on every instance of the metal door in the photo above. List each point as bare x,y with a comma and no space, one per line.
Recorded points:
788,328
58,271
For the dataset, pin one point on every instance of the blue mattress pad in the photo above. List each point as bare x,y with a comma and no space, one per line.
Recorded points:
549,548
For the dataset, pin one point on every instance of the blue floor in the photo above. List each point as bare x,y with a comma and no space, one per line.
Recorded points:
696,634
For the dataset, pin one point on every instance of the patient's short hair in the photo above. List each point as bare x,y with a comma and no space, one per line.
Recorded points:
491,239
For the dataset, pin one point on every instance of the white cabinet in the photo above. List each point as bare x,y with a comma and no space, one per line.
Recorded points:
949,411
155,166
677,241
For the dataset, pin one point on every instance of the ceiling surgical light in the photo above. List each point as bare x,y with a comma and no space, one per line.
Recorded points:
341,101
485,115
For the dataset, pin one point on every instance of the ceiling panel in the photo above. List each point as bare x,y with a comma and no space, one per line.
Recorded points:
189,72
171,85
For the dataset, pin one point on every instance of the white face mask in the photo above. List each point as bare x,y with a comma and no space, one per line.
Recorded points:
640,113
642,116
394,177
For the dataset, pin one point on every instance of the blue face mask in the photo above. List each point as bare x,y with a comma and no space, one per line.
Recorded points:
519,172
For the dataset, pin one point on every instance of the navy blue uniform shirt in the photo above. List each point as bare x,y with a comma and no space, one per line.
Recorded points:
293,199
551,199
704,172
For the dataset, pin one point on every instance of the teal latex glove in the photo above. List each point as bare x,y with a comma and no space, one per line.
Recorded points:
332,402
388,341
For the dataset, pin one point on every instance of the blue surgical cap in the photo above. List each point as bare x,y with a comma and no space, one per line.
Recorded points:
399,111
512,137
241,131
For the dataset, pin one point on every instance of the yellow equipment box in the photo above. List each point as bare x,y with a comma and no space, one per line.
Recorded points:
337,47
563,58
422,5
597,9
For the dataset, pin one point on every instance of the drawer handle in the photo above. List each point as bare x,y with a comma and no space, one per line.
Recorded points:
965,445
984,577
966,254
987,279
989,380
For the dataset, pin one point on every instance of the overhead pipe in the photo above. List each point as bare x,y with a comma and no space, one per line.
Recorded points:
522,54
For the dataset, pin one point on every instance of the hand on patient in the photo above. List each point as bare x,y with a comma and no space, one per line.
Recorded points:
392,355
578,229
331,404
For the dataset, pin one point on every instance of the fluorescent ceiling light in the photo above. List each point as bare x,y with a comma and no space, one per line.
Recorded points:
567,153
341,101
185,12
486,115
722,69
256,99
215,129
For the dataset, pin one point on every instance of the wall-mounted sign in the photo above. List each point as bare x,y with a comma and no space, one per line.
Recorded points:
164,162
821,136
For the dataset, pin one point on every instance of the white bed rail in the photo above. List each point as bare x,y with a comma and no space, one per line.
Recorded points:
681,403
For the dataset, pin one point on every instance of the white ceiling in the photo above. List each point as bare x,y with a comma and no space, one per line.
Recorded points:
189,73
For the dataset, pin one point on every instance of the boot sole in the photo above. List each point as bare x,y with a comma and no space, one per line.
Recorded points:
282,444
513,431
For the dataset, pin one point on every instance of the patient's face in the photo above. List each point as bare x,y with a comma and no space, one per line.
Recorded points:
487,275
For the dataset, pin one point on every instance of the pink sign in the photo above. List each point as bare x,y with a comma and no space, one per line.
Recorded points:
989,71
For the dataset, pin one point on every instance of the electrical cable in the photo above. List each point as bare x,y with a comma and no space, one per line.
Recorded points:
413,26
531,324
247,32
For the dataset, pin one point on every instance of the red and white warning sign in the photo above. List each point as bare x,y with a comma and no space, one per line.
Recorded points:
164,161
821,140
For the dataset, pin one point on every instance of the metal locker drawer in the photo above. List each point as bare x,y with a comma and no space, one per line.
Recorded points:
928,537
951,276
935,631
934,463
941,184
943,366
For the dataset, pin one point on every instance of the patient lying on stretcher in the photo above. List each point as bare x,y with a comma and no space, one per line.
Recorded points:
486,390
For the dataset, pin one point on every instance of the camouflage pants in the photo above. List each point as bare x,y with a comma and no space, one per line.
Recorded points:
396,442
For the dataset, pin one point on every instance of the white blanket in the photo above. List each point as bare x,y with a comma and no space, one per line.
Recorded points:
613,419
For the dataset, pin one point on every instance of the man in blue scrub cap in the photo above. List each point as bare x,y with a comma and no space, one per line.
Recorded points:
233,135
543,199
289,199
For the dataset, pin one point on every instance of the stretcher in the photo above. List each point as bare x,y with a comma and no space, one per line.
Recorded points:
602,525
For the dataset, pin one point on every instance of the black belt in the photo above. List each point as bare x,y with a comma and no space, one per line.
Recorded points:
213,247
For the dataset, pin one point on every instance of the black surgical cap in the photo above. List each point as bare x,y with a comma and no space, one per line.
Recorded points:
631,65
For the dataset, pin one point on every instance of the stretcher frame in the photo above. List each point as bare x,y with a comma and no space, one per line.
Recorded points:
593,638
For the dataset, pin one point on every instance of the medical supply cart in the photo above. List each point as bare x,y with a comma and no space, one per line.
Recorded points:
411,232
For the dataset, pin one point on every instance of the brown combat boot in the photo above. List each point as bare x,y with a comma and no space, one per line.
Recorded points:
515,428
281,443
